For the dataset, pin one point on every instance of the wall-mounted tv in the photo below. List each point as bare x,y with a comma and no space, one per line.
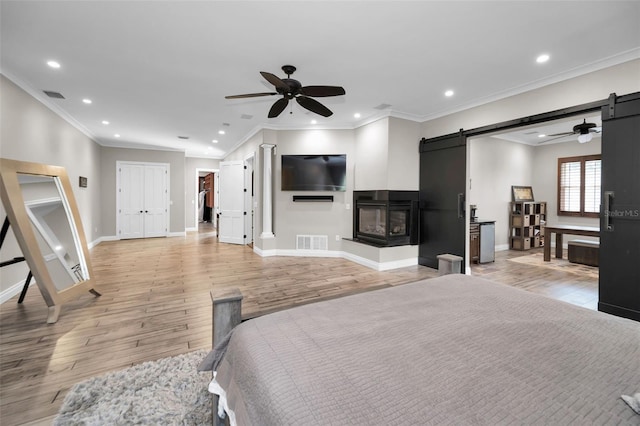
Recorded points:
314,172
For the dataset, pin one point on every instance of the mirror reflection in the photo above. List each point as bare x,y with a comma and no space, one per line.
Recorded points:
53,226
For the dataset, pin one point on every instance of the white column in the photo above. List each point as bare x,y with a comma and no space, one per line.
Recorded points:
267,197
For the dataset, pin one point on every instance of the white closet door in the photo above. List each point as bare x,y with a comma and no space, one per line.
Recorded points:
155,201
143,207
231,193
130,194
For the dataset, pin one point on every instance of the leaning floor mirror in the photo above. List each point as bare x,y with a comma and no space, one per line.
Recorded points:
44,217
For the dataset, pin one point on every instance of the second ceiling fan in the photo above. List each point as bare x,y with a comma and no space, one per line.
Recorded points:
584,131
290,89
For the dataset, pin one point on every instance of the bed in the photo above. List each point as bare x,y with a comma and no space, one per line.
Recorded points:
454,350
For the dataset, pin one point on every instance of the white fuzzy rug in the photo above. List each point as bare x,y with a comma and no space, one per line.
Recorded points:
169,391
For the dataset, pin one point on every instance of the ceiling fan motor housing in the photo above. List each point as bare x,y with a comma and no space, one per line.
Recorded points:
583,128
294,87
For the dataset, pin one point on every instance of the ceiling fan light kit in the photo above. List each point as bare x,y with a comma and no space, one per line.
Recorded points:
584,138
290,88
584,131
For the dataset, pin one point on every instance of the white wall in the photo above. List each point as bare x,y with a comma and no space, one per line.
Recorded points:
494,166
403,159
545,181
176,160
313,218
29,131
372,152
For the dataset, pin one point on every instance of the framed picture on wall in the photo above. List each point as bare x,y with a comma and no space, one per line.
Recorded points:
522,193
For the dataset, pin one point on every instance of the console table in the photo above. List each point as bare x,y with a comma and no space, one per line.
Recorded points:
589,231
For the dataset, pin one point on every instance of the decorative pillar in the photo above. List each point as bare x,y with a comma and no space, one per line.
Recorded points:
267,197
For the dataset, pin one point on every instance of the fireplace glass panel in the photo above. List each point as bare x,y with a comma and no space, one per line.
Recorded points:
398,222
373,220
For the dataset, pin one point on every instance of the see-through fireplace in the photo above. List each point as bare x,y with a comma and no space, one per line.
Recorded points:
386,218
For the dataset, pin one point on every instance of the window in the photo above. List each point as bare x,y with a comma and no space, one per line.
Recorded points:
579,186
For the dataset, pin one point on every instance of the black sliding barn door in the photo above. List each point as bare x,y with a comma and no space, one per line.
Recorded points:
619,286
443,168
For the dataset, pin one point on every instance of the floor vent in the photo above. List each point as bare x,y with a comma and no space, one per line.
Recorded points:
312,242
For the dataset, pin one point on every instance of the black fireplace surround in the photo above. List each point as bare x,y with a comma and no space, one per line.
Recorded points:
385,218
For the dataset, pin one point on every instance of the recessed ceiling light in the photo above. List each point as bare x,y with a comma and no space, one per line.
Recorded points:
314,122
53,64
87,101
356,115
214,141
448,93
105,122
117,135
221,132
542,58
542,135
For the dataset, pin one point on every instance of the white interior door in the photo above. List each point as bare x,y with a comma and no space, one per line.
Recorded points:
131,202
143,194
248,200
231,202
155,201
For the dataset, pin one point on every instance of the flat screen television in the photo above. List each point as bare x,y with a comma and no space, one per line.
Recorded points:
314,172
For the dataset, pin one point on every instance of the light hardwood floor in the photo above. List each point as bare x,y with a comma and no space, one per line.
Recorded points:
155,303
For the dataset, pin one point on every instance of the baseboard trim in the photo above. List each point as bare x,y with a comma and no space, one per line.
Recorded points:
619,311
7,294
378,266
115,238
177,234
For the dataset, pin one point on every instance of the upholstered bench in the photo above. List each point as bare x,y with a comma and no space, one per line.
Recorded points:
584,252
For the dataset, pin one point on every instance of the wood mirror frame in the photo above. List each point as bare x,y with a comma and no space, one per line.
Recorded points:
23,225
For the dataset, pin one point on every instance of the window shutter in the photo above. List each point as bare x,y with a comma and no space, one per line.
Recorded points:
570,186
592,186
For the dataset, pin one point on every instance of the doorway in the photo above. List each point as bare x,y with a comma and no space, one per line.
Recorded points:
206,199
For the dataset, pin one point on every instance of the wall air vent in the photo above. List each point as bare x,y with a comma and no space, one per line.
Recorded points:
312,242
55,95
183,137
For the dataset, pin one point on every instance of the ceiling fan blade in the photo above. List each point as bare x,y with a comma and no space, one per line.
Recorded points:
278,107
562,134
275,81
322,91
250,95
314,106
557,136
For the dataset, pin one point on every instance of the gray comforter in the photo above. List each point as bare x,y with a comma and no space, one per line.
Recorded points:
453,350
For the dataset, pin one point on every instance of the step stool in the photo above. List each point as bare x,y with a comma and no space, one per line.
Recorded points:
449,264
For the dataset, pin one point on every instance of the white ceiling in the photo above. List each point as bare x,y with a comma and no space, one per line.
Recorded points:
159,70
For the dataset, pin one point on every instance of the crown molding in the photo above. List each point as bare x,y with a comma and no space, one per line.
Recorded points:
43,99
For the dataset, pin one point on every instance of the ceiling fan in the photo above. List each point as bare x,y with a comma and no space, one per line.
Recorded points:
290,89
584,131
